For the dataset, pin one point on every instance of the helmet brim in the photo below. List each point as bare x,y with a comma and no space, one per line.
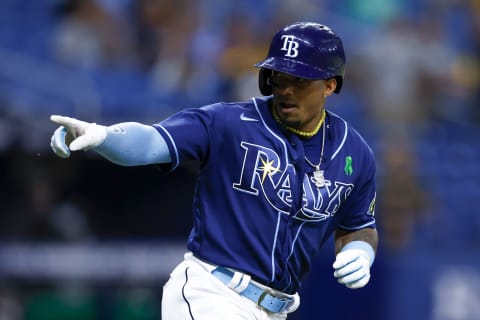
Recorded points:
295,68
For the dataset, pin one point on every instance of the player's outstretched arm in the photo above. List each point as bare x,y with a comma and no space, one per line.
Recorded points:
127,144
355,253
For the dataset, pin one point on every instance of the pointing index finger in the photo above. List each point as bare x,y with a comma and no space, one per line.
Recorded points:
67,121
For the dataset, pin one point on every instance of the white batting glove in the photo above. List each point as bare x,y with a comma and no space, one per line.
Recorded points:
85,135
352,264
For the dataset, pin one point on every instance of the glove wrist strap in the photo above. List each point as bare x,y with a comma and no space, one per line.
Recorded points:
361,245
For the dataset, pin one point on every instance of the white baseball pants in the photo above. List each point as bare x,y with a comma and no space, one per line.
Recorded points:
193,293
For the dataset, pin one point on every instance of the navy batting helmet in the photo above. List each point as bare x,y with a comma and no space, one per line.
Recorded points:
306,50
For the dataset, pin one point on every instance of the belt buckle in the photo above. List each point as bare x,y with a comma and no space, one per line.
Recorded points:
286,302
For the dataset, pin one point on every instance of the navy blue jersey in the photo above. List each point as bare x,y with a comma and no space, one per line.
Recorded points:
256,206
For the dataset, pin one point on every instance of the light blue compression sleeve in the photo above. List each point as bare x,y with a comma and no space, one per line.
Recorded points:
133,144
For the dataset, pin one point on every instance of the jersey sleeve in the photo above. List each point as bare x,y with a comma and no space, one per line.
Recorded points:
190,133
359,209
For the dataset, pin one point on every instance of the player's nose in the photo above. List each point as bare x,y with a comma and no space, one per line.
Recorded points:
283,87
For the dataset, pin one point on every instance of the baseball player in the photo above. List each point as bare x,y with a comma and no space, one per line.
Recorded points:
279,175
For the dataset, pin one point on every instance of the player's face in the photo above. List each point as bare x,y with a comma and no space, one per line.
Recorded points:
298,101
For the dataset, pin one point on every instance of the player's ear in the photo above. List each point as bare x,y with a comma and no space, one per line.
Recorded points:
330,87
264,81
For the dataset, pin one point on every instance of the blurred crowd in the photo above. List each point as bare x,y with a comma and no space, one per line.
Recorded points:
409,61
413,78
412,88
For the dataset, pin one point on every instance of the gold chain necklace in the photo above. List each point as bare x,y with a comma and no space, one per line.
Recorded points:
318,174
301,133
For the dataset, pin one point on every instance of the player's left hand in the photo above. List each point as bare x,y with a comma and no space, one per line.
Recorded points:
352,265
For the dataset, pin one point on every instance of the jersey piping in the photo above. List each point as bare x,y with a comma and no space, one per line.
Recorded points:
343,140
357,227
177,158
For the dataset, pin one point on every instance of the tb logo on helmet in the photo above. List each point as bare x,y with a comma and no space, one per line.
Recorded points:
290,45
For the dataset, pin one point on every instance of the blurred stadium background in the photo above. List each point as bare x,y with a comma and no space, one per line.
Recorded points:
84,239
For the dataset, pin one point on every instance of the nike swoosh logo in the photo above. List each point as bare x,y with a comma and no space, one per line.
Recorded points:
245,118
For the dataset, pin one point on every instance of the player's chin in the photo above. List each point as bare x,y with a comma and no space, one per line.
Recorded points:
291,121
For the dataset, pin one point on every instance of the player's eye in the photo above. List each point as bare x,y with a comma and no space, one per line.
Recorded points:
301,82
283,80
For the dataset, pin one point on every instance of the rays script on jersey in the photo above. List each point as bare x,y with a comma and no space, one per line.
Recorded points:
263,174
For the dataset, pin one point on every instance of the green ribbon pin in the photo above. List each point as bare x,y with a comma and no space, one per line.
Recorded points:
348,166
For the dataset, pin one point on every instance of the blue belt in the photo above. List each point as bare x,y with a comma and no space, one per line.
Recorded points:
258,295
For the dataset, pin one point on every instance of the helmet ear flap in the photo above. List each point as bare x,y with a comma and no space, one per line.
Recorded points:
264,81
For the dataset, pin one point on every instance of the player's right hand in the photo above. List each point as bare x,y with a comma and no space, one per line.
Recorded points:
83,135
